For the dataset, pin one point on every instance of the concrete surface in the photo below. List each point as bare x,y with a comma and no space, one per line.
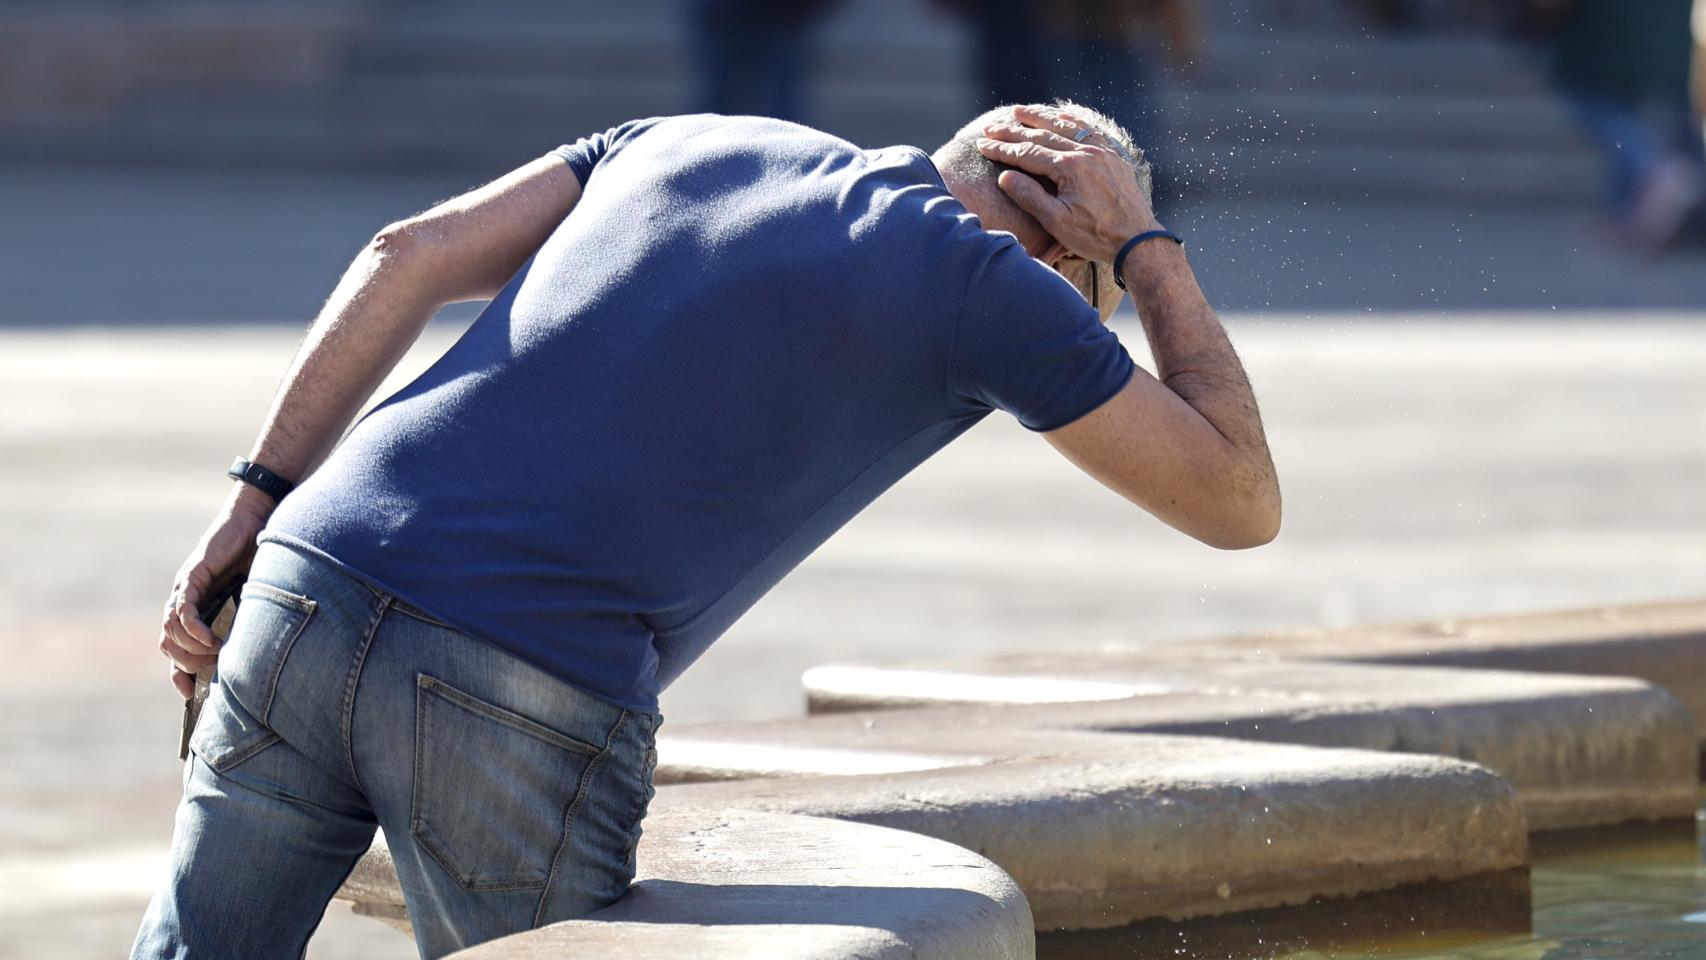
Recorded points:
728,884
1663,644
1140,827
1179,826
1580,751
373,890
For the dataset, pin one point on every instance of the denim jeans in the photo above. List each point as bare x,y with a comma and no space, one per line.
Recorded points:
509,798
1635,138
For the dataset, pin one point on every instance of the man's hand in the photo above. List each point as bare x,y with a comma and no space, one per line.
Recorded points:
1189,446
225,551
1097,205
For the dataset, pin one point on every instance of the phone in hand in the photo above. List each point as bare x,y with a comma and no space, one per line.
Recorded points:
217,611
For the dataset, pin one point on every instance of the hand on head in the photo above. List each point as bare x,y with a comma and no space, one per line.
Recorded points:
1097,204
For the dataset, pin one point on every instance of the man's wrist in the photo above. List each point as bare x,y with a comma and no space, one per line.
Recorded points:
251,501
1149,260
1119,240
256,475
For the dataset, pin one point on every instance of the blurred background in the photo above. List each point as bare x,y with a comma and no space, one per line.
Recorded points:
1460,244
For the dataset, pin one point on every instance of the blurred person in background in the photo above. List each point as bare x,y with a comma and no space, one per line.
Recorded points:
1409,15
711,342
1007,50
1107,53
1700,62
751,56
1624,68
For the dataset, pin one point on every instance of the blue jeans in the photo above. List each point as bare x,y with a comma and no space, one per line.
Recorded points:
509,798
1635,138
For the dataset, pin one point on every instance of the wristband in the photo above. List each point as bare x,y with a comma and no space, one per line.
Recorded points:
1119,258
261,478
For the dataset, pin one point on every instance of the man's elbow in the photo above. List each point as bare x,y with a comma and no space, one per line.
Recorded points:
1251,518
400,243
408,257
1262,526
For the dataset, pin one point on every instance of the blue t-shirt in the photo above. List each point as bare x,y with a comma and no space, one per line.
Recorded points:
744,332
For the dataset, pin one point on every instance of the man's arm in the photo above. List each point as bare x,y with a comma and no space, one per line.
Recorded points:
463,249
1189,446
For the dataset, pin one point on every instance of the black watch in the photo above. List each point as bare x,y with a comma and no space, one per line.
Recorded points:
256,475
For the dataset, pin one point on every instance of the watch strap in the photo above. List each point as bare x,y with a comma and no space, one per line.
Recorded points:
260,477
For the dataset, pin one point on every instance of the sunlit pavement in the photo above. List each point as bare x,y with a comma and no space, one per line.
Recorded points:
1434,463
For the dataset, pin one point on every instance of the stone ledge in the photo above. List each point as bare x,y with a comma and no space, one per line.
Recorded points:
731,884
1172,827
372,887
1661,643
1108,826
1581,751
1123,829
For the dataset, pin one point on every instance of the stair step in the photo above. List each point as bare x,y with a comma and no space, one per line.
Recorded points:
481,150
1293,95
869,106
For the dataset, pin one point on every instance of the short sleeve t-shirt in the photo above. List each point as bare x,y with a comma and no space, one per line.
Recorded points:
744,332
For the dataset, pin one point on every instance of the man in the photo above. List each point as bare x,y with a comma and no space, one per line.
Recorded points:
712,342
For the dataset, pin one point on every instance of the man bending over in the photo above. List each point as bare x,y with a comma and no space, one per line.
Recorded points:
711,342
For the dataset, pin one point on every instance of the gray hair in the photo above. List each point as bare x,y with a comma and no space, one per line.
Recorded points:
961,158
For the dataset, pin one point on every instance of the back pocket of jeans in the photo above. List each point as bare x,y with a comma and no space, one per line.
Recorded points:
269,620
493,789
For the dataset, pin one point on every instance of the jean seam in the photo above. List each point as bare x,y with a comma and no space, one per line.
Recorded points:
408,610
346,722
277,594
648,771
587,776
421,772
229,763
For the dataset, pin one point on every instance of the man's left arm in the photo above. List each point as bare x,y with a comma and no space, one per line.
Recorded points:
466,248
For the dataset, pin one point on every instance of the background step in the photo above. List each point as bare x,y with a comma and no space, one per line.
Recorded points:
1291,100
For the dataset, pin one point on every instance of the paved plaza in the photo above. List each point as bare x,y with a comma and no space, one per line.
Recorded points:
1513,422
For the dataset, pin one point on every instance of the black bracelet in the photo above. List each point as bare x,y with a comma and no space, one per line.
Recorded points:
261,478
1119,258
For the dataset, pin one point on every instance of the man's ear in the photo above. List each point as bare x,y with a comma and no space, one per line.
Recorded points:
1053,251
